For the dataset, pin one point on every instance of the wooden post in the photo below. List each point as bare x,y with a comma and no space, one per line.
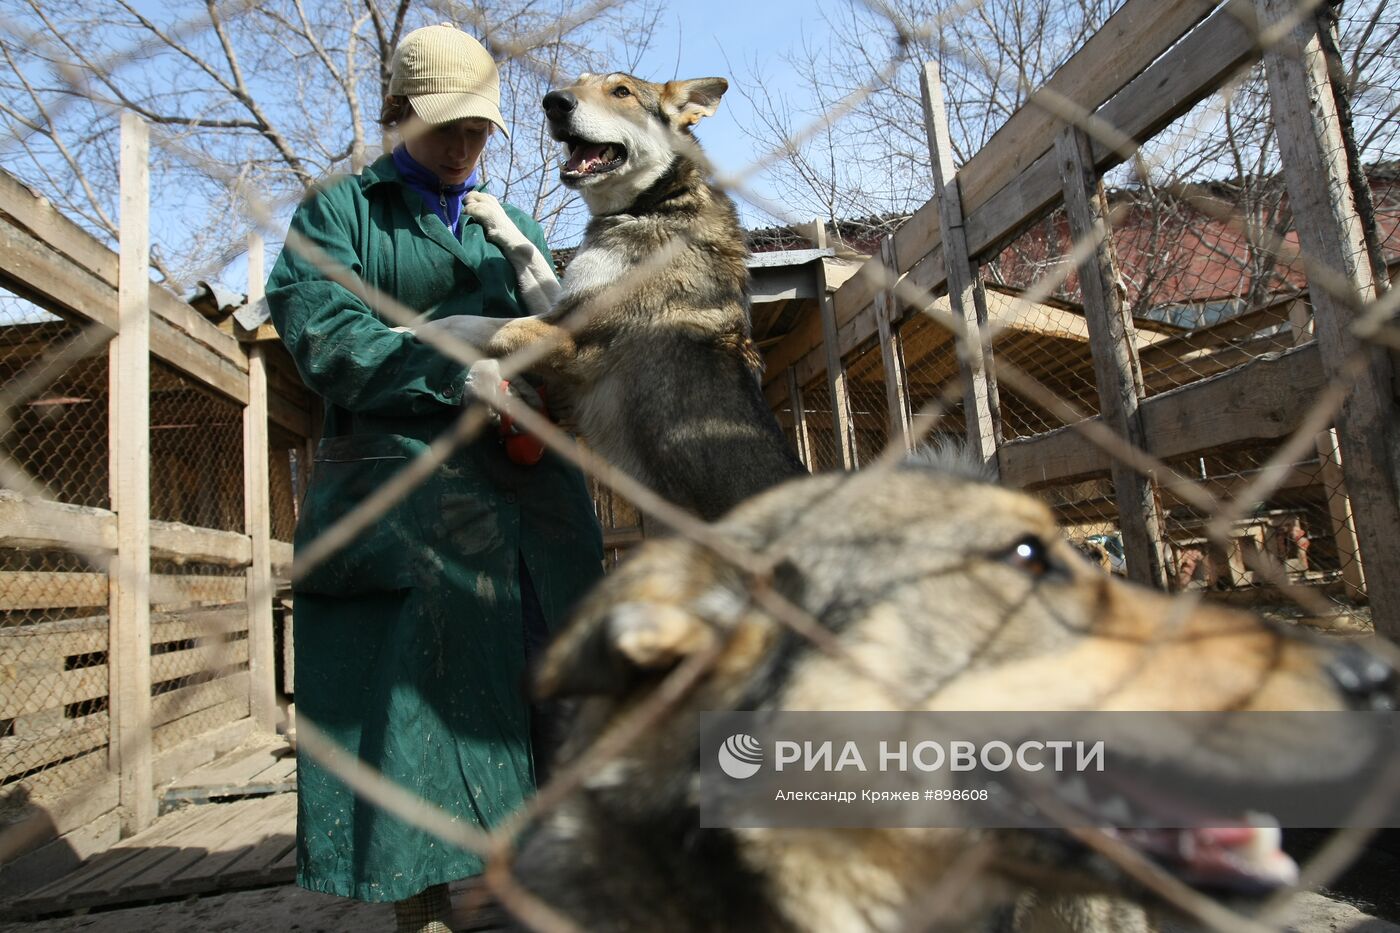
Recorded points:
257,520
129,427
980,406
1329,231
1329,458
835,369
799,418
887,317
1112,341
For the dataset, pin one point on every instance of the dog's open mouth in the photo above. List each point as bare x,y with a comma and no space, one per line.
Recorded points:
589,158
1239,854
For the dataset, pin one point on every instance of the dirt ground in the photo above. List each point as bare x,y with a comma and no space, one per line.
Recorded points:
290,908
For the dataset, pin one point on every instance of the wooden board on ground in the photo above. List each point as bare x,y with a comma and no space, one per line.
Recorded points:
266,765
205,849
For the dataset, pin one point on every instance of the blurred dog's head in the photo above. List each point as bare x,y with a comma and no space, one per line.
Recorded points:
938,593
622,133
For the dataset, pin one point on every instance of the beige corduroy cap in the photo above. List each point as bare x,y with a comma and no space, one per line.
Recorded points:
447,75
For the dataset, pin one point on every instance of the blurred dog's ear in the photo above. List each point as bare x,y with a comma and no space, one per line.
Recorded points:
614,651
693,100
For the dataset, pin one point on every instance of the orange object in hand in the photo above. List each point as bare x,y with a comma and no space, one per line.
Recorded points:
521,448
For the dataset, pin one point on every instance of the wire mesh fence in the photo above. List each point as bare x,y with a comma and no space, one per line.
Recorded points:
1213,276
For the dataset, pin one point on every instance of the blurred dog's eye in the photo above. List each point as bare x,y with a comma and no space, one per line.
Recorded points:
622,90
1031,556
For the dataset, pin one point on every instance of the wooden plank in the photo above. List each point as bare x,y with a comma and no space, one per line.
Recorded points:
177,704
1173,84
34,694
1117,371
215,656
105,879
1263,400
175,758
73,737
964,280
129,657
196,623
39,273
1309,133
801,431
1196,67
257,520
60,780
35,216
208,724
175,592
260,837
42,275
38,523
842,436
52,640
59,855
218,820
180,542
281,555
891,358
1132,38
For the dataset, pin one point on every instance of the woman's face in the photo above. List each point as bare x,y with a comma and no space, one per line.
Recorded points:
449,150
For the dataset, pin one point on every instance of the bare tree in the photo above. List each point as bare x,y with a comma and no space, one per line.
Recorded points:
266,97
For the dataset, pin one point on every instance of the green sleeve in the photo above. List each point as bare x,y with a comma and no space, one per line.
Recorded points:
343,351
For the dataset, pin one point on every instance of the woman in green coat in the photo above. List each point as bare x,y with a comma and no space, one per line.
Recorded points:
412,640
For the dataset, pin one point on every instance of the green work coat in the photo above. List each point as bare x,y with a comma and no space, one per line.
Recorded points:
409,645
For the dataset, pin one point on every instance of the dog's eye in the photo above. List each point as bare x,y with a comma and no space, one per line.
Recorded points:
1032,557
622,90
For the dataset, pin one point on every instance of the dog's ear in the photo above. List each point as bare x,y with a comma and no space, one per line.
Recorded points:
693,100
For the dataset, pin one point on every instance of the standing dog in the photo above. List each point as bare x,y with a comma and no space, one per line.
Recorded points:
934,586
648,342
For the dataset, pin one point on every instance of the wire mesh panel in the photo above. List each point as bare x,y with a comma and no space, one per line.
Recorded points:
931,373
196,453
199,653
53,628
869,401
821,432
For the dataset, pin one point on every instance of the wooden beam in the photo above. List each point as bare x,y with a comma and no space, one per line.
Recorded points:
1117,372
257,511
1263,400
1193,68
964,279
1131,39
842,435
1315,169
38,523
129,443
39,221
801,430
891,357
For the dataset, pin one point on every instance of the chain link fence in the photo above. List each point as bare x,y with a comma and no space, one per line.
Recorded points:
1213,286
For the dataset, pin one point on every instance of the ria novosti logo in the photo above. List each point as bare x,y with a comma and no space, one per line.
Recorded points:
740,756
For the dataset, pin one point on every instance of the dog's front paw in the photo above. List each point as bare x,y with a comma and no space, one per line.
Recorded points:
487,211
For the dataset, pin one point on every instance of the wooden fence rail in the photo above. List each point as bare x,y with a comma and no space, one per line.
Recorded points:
153,633
1211,389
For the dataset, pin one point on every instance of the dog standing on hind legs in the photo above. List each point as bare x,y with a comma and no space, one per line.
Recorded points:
648,341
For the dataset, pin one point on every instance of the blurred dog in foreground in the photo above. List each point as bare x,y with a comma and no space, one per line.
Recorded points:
954,591
648,343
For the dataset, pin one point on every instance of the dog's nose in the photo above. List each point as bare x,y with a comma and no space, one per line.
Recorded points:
1366,679
559,103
